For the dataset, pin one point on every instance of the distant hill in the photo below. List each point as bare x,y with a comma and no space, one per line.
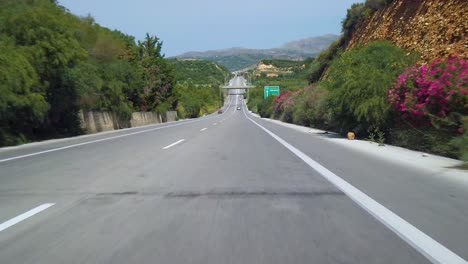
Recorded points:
239,58
310,45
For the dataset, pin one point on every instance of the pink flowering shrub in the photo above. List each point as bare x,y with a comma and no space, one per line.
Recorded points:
280,102
284,105
434,94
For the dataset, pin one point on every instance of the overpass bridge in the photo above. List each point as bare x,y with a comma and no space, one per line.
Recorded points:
237,85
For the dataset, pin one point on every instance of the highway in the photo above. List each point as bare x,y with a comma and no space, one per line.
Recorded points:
225,188
238,81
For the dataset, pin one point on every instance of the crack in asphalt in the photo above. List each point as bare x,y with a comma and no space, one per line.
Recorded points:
229,193
192,194
248,194
118,193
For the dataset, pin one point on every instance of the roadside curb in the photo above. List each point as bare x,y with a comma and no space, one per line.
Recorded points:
436,166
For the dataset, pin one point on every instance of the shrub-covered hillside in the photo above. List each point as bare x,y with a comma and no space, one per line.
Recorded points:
54,64
200,71
381,90
197,86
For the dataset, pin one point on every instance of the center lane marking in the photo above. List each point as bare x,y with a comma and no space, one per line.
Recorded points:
113,137
173,144
24,216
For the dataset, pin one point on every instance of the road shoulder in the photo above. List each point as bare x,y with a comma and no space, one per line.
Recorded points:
434,165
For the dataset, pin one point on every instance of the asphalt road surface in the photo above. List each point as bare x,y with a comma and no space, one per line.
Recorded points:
238,81
228,188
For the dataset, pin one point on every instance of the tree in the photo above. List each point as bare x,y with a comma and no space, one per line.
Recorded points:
45,31
54,64
359,81
158,78
22,103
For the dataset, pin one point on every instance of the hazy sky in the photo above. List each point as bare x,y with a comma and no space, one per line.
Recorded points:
197,25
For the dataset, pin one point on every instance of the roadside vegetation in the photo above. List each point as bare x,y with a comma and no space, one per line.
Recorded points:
378,92
54,64
197,86
292,76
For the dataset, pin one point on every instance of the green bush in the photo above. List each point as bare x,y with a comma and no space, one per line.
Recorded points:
287,115
265,107
359,81
311,108
429,140
255,97
196,100
461,143
253,103
357,13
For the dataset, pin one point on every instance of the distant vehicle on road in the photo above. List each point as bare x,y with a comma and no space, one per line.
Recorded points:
238,108
220,111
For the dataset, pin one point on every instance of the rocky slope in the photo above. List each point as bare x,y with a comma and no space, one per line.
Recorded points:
275,68
433,28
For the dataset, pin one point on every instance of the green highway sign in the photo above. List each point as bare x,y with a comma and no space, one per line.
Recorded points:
270,90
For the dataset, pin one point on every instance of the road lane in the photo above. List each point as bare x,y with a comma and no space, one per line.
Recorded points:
228,195
427,246
231,194
436,206
78,171
39,148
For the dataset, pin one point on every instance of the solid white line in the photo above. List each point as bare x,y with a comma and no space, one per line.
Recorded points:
24,216
203,129
173,144
99,140
433,250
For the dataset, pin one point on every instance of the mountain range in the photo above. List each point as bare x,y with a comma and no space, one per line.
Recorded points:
238,58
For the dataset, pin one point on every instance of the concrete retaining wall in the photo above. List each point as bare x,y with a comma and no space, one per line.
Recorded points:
93,122
145,118
171,116
97,121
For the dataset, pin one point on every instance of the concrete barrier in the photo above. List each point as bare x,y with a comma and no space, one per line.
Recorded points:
98,121
171,116
145,118
93,121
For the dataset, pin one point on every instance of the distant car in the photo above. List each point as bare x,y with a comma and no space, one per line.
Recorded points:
220,111
238,108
